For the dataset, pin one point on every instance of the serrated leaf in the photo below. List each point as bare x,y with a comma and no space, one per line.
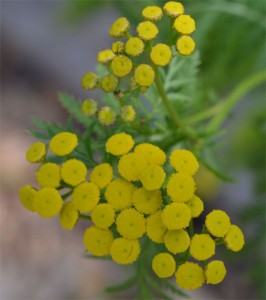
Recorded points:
125,285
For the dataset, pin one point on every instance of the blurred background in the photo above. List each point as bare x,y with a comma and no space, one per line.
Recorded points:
46,47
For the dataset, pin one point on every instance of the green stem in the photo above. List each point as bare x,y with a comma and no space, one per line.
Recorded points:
191,228
85,217
66,195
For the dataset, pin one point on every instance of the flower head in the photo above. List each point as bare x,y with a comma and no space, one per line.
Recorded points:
63,143
215,272
26,197
202,246
185,45
163,264
234,239
89,81
184,24
134,46
180,187
147,30
218,223
102,175
147,202
103,215
155,227
119,28
118,47
176,216
89,107
49,174
173,8
124,251
121,65
36,152
144,75
152,177
161,55
184,161
119,144
109,83
177,241
196,206
107,116
153,154
68,216
105,56
128,113
73,172
152,13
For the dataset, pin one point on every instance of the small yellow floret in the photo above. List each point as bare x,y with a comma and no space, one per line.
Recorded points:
215,272
49,174
185,45
184,161
63,143
73,172
89,107
234,239
68,216
144,75
180,187
176,216
89,81
190,276
152,13
98,241
125,251
161,55
119,144
105,56
147,30
119,28
147,202
152,177
177,241
202,246
196,205
118,47
173,8
155,227
163,264
107,116
102,175
153,154
184,24
218,223
103,215
36,152
109,83
128,113
121,65
26,197
134,46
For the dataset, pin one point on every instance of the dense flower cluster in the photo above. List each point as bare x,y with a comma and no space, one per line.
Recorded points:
130,199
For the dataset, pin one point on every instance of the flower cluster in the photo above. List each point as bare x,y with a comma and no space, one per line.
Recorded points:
131,199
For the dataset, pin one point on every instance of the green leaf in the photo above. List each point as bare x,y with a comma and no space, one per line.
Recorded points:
90,256
125,285
159,289
174,289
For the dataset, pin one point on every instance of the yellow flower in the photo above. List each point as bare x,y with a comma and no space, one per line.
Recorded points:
119,144
128,113
131,224
73,172
109,83
105,56
36,152
89,107
163,264
85,197
47,202
202,246
176,216
215,272
131,165
177,241
68,216
102,175
161,55
147,202
152,177
107,116
190,276
185,45
147,30
173,8
152,13
218,223
184,161
89,81
119,194
103,215
26,197
125,251
118,47
98,241
153,154
180,187
196,206
63,143
144,75
234,239
121,65
134,46
49,175
184,24
119,28
155,227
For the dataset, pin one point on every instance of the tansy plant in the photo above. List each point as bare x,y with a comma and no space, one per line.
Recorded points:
128,174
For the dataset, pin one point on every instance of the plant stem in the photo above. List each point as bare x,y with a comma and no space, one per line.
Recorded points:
81,216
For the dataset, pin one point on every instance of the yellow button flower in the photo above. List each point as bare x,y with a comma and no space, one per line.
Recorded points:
173,8
218,223
128,113
47,202
36,152
184,161
215,272
89,81
147,30
180,187
49,174
196,206
107,116
68,216
185,45
26,197
109,83
119,144
85,197
184,24
147,202
89,107
234,239
144,75
177,241
125,251
202,246
119,28
131,224
155,227
130,166
163,265
119,194
152,13
105,56
176,216
103,215
98,241
161,55
63,143
152,177
121,65
153,154
118,47
73,172
102,175
134,46
190,276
